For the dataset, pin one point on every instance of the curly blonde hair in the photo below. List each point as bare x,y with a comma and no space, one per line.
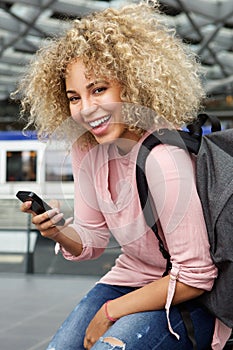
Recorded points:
131,45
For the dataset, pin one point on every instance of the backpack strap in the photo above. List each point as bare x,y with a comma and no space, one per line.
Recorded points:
196,127
185,314
188,140
143,190
180,139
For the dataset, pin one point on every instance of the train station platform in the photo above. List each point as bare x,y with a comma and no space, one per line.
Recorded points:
34,306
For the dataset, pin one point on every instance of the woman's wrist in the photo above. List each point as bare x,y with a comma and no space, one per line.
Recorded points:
107,313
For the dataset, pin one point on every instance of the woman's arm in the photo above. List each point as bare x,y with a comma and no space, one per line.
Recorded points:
88,235
151,297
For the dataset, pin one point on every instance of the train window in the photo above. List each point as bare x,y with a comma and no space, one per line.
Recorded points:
57,166
21,166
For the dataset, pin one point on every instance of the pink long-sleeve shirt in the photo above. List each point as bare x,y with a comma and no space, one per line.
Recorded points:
106,200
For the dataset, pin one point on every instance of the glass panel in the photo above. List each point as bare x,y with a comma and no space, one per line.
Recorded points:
58,166
21,166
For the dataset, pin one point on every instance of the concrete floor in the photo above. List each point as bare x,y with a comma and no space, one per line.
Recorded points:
33,307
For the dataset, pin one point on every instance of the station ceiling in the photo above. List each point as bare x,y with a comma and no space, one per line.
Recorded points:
206,25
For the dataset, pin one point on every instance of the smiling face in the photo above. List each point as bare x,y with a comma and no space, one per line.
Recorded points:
96,105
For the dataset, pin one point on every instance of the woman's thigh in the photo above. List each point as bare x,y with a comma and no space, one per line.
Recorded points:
149,331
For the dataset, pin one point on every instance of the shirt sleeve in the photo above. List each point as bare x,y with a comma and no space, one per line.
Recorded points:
170,173
89,222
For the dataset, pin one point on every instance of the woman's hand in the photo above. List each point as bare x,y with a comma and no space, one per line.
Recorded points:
96,328
65,235
46,222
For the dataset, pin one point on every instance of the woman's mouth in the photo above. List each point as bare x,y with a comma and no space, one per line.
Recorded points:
99,122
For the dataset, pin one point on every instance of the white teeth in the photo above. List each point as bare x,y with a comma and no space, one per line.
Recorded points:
98,122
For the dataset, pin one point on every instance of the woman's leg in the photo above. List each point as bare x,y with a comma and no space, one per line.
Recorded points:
149,330
70,336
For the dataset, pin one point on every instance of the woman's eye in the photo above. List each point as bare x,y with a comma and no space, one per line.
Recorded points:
73,98
99,90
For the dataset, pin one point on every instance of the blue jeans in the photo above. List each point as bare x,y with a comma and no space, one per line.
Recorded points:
144,330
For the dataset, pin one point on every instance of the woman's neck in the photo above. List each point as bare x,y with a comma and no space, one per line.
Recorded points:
127,142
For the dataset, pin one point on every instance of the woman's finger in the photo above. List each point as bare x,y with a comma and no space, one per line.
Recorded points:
48,215
54,203
68,221
56,218
87,344
26,206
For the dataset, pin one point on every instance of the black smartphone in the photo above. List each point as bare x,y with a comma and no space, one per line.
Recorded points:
38,205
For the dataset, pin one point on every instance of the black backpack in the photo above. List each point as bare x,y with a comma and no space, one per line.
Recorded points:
214,168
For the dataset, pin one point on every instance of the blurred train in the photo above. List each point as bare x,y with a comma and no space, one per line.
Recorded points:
29,164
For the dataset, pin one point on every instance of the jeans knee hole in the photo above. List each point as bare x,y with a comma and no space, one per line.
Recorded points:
114,342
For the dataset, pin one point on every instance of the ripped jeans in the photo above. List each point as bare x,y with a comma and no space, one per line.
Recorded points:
144,330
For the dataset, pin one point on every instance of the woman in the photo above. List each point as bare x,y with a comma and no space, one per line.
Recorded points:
119,74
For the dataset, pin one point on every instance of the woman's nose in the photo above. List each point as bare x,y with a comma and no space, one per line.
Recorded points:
88,109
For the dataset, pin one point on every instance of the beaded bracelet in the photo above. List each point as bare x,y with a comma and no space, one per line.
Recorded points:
107,314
